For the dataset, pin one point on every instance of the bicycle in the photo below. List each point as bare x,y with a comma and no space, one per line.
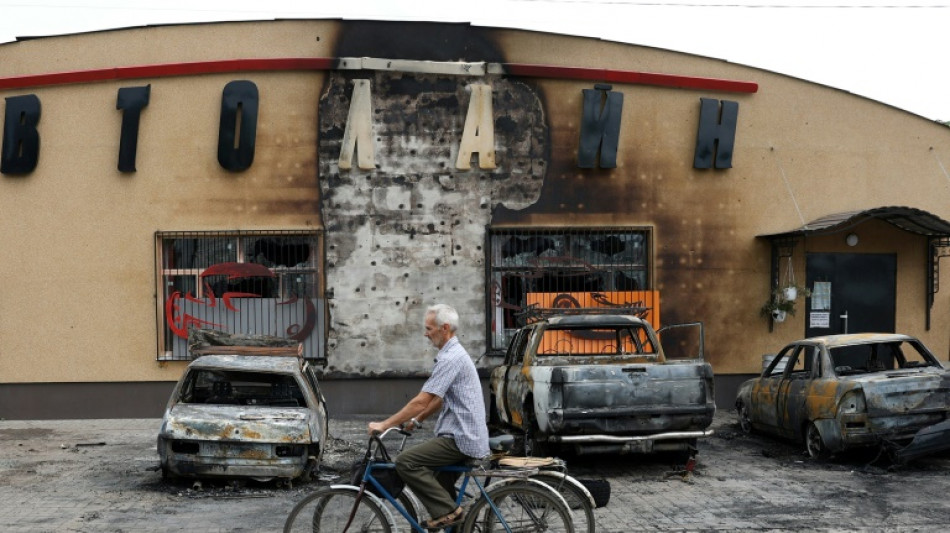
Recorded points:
522,505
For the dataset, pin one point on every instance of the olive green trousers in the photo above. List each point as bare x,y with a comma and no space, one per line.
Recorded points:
436,490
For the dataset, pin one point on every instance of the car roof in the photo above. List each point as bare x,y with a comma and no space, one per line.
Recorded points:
833,341
257,363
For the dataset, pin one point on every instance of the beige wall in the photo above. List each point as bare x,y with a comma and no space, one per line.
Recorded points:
78,297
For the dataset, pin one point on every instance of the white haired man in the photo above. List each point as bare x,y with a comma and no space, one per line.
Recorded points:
455,392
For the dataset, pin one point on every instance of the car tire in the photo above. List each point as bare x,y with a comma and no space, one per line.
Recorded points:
813,444
745,420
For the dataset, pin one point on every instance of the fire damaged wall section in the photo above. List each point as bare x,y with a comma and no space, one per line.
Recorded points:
411,232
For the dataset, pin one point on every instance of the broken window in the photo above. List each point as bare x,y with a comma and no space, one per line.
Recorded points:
536,269
596,342
228,387
879,357
263,282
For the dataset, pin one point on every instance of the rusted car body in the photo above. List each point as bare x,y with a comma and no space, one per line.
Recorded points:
250,416
600,384
840,392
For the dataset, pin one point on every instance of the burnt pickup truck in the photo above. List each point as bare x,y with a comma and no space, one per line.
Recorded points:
601,383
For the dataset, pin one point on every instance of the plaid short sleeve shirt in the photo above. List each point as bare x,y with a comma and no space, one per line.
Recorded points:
455,380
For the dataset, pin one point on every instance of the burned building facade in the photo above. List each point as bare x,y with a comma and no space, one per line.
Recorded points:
328,180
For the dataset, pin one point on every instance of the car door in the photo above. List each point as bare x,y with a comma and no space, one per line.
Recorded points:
321,422
765,392
502,376
800,373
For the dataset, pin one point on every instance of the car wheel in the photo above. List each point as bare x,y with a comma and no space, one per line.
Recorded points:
813,443
745,421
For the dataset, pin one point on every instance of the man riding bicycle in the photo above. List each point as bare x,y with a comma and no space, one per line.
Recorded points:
454,391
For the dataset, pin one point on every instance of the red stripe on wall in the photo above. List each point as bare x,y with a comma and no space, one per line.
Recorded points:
631,77
323,63
166,70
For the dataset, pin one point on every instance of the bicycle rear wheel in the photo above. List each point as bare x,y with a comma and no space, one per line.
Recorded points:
328,511
523,507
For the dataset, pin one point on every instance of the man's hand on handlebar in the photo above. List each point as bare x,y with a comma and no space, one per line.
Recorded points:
377,427
412,424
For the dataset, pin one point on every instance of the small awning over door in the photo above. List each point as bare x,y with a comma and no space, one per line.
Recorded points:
906,218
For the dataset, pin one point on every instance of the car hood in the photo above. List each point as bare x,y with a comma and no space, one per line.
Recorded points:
237,423
905,391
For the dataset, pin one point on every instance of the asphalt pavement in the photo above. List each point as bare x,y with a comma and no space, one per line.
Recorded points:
101,475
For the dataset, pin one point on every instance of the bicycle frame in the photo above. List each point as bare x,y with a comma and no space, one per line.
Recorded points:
467,477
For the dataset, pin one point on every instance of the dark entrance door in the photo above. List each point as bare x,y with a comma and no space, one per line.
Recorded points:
851,293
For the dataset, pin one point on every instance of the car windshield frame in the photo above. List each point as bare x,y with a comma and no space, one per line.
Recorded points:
244,387
880,356
593,341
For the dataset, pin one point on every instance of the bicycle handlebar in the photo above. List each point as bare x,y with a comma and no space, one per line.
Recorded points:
402,431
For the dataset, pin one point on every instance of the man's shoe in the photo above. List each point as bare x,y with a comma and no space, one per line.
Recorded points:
445,521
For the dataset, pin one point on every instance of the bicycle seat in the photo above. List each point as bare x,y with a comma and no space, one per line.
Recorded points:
501,443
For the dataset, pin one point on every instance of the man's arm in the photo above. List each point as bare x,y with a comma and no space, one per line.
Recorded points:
420,407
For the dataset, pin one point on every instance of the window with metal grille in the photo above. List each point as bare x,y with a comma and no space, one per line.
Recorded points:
247,282
534,271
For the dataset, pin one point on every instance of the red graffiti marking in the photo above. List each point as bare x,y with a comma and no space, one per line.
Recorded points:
179,321
238,271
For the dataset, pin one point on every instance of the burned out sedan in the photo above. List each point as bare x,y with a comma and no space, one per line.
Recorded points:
244,416
842,392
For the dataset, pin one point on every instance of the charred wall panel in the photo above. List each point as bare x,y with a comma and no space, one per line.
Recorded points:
410,233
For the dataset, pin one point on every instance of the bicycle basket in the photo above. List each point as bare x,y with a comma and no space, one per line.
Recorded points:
388,477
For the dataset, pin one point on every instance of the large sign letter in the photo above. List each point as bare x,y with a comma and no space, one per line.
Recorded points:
21,140
238,130
479,133
600,127
716,127
131,101
359,129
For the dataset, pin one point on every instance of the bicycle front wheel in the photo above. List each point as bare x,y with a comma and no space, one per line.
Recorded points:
330,510
523,507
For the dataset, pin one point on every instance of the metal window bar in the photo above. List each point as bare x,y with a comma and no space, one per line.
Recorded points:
602,264
249,282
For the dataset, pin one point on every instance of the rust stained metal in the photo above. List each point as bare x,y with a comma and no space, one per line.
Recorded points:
622,404
859,390
250,431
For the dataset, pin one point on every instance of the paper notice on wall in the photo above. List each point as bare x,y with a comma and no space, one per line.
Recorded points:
819,320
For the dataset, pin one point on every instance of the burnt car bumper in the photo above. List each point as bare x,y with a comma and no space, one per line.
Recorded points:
198,459
928,441
669,441
907,436
630,421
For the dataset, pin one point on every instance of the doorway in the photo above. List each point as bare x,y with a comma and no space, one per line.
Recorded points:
851,293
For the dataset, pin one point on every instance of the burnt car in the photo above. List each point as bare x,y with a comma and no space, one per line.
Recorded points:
842,392
601,383
244,416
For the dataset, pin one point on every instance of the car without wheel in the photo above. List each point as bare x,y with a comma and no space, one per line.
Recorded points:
602,383
242,414
841,392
